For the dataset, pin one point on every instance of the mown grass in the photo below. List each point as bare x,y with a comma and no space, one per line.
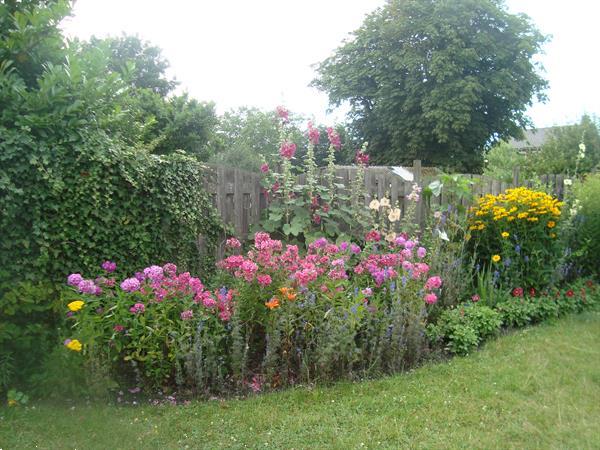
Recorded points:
537,388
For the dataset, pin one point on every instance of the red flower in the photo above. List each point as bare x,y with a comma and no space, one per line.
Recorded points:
517,292
589,283
532,292
316,219
570,293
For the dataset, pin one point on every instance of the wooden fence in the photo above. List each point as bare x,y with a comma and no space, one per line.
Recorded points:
238,196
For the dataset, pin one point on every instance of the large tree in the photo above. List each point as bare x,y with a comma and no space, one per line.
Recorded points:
436,79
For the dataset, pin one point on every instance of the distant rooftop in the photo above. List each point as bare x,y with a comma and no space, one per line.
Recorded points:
533,139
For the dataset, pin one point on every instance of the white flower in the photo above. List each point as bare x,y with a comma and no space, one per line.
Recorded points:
437,214
374,204
582,147
568,182
581,154
394,215
385,202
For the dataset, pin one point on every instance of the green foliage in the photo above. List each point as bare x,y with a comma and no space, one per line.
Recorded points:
584,237
27,329
501,161
561,153
70,195
436,80
463,328
138,61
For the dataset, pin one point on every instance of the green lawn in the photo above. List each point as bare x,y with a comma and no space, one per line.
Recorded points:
538,388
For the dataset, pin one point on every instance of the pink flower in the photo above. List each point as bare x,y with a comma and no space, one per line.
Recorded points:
118,328
355,249
138,308
367,292
475,298
264,168
233,243
362,158
334,138
170,269
316,219
130,284
421,252
87,287
109,266
433,283
313,134
373,236
287,149
431,298
74,279
155,273
187,314
517,292
283,113
264,280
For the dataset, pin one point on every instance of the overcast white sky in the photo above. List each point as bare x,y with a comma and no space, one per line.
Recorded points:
259,52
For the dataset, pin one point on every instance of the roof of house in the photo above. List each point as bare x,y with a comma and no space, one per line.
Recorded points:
534,138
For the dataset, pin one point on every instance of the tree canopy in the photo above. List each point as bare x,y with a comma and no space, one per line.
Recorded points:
436,80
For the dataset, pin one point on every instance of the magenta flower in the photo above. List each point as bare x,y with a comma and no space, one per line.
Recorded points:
130,284
155,273
138,308
287,149
431,298
362,158
283,113
264,168
334,138
355,249
170,269
118,328
87,287
421,252
264,280
187,315
74,279
233,243
475,298
433,283
313,134
109,266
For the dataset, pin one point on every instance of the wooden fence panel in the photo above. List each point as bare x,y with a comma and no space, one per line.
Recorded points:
239,198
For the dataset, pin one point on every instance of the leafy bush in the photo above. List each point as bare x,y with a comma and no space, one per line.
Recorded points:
584,239
27,329
514,235
463,328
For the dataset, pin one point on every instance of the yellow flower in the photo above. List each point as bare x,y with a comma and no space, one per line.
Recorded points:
505,234
74,345
75,305
522,215
496,258
551,224
552,235
12,402
481,227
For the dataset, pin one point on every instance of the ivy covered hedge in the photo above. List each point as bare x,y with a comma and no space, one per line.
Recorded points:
66,205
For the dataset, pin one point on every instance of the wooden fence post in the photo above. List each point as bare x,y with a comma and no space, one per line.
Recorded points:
516,174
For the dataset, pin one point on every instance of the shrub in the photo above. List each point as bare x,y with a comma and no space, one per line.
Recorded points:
27,329
585,236
143,327
515,236
463,328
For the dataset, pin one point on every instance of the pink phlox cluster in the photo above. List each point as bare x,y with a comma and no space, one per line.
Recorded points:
233,243
434,282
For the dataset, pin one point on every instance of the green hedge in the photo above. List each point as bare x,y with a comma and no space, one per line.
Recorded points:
67,206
